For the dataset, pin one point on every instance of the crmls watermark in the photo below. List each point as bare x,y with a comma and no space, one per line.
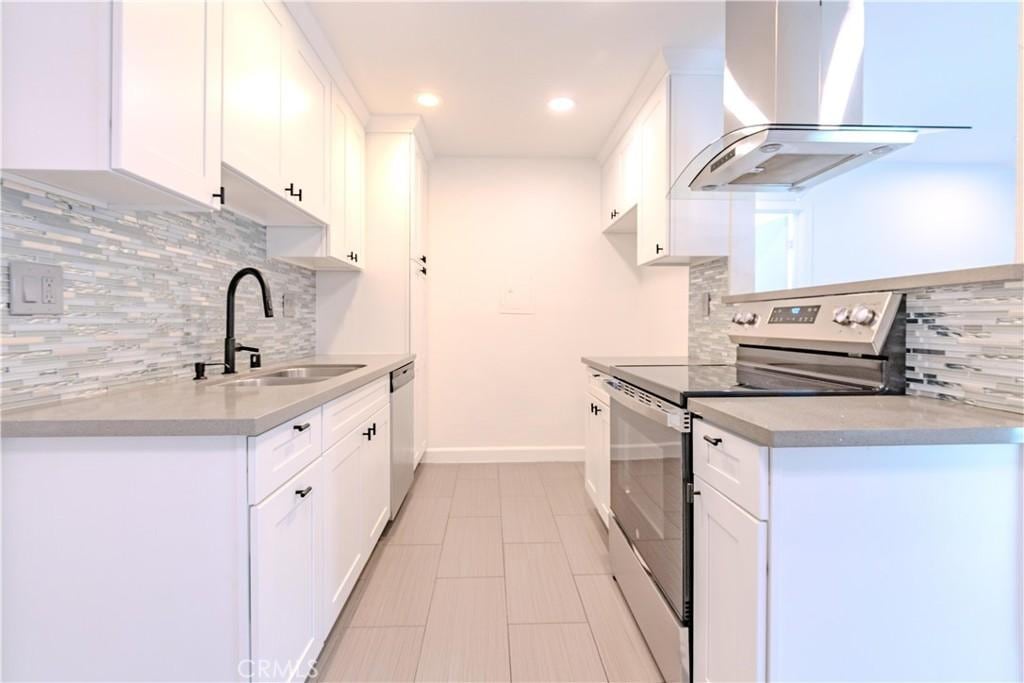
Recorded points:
273,669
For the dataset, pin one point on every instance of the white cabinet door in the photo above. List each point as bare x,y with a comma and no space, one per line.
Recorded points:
166,103
305,113
254,39
355,190
376,465
285,545
344,546
630,171
609,187
336,239
419,345
597,463
653,218
730,572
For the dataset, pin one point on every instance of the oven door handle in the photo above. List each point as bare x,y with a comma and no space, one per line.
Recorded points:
678,420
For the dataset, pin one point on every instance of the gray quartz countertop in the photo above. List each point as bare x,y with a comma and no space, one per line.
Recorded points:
606,363
183,407
859,421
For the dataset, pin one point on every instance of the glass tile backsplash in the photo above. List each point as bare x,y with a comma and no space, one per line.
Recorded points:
144,296
964,343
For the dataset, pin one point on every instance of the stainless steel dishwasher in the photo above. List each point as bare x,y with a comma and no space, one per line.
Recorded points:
403,455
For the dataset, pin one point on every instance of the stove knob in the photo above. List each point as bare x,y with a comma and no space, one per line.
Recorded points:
841,316
745,318
862,315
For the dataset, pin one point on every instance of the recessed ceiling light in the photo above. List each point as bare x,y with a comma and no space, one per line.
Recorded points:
428,99
561,104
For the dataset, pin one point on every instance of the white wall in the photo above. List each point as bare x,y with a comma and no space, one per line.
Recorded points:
896,219
510,386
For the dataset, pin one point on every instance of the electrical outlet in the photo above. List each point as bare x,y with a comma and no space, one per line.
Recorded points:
36,289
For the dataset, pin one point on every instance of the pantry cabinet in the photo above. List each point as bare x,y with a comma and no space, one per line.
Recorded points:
82,115
339,244
277,99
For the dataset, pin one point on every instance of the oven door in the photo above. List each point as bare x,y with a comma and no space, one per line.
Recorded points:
648,475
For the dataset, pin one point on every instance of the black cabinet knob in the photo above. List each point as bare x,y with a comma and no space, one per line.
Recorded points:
423,259
658,248
597,410
219,195
423,270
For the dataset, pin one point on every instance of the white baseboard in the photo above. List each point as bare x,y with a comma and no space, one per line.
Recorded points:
505,454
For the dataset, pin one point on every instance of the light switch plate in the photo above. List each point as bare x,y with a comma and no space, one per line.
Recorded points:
36,289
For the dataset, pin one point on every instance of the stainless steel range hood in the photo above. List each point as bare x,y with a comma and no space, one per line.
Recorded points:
791,60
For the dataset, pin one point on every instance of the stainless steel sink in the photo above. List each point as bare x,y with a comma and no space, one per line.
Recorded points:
300,374
270,381
318,371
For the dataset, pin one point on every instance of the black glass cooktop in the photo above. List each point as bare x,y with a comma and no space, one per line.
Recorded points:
676,383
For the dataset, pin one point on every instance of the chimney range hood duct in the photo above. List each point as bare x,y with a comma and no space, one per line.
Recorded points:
791,60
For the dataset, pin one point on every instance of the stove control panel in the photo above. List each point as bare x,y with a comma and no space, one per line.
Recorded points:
854,323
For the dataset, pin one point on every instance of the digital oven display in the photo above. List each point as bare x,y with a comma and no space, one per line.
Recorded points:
794,314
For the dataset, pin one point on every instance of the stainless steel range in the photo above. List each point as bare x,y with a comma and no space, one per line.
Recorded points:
836,345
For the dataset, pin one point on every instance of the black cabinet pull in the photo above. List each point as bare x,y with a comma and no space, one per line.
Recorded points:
219,195
368,434
298,195
290,189
713,440
597,410
302,493
423,270
373,428
591,408
301,428
423,259
353,257
615,213
658,248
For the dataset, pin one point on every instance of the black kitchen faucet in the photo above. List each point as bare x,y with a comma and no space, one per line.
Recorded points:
230,345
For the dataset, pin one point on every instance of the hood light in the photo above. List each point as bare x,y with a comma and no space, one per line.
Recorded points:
884,149
770,148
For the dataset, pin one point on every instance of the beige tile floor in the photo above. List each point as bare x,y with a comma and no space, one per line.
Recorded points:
490,573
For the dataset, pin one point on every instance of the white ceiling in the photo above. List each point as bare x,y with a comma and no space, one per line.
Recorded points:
495,65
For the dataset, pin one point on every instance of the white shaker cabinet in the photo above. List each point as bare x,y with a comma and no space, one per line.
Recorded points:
276,111
285,546
621,185
345,550
681,117
730,575
115,102
597,445
339,244
376,477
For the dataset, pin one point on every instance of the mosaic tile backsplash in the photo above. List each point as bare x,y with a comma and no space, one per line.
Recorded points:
144,296
964,343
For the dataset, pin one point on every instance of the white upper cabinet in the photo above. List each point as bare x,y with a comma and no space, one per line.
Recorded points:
276,113
119,103
620,185
305,119
339,245
677,119
682,116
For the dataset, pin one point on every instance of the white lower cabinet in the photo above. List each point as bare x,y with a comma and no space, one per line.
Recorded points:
801,551
597,444
597,459
376,476
344,535
730,582
285,551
